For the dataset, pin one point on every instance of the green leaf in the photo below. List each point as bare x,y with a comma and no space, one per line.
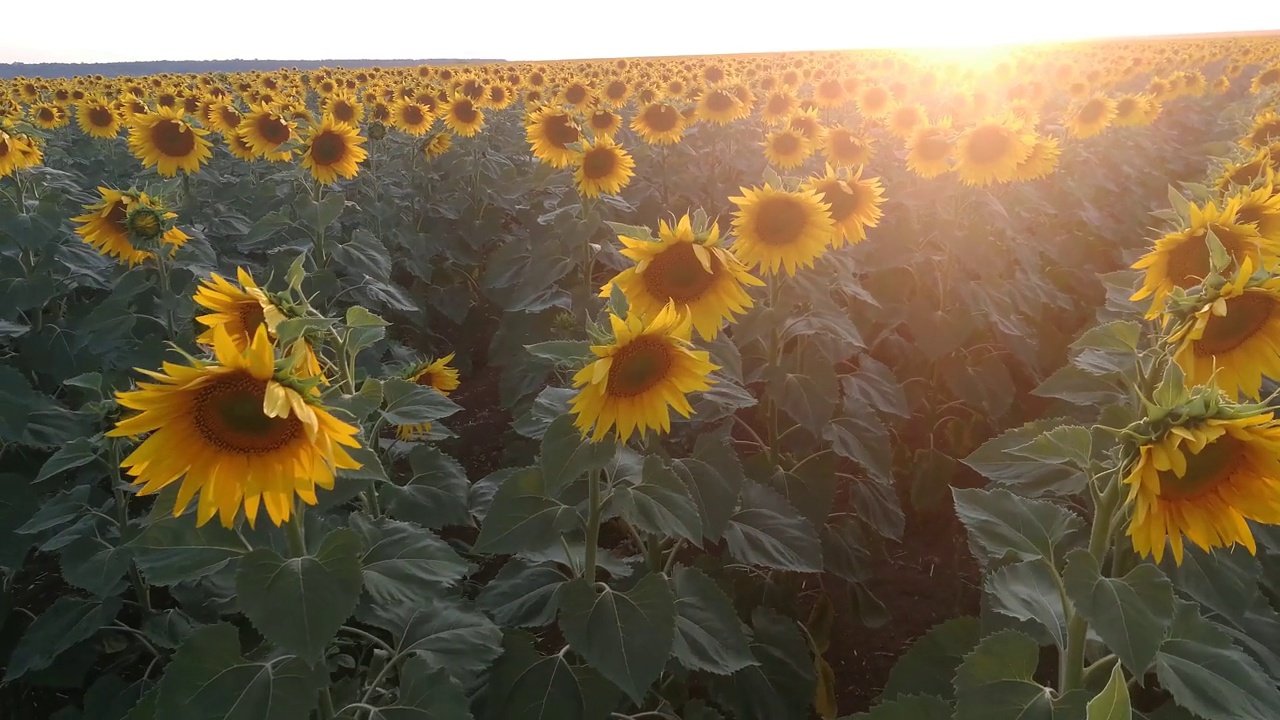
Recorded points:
767,531
874,385
714,478
65,507
862,438
1226,581
93,564
65,623
627,636
172,550
1130,614
364,329
912,707
526,686
1064,444
1077,386
781,685
436,494
804,399
461,640
562,352
412,404
995,682
1029,591
1210,676
424,693
550,404
844,551
209,680
77,453
521,516
1113,702
523,594
299,603
635,232
659,503
1002,524
996,461
1179,203
402,562
709,635
567,455
928,666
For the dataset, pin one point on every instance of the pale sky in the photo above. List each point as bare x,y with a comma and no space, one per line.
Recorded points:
93,31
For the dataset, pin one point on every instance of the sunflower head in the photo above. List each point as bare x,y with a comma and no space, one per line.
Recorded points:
333,149
602,167
991,151
129,225
239,308
781,229
929,149
854,201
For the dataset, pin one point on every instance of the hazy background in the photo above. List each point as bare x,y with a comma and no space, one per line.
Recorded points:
93,31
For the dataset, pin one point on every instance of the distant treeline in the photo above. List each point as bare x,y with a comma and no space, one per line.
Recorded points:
11,70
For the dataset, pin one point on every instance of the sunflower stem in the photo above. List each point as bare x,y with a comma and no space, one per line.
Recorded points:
771,407
322,256
166,291
294,535
326,705
1071,670
122,512
593,526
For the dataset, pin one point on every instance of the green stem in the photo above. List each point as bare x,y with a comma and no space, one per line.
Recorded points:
122,513
1071,672
322,255
772,360
166,290
593,526
294,535
326,705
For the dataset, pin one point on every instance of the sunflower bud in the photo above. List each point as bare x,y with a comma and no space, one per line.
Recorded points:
145,223
377,130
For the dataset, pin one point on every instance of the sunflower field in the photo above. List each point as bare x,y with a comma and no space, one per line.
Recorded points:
882,384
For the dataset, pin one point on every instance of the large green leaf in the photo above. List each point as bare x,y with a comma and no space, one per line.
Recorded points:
1112,703
875,386
450,636
908,707
1029,591
1002,524
1131,614
567,455
412,404
782,685
659,503
423,693
209,680
65,623
299,603
626,636
522,515
96,565
527,686
861,437
436,494
77,453
767,531
995,682
1224,580
172,550
714,478
1064,444
402,562
523,594
709,635
807,400
928,666
996,461
1208,675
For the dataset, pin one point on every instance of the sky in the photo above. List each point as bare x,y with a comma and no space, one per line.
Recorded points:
89,31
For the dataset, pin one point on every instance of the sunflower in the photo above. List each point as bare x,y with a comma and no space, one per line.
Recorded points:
434,374
843,147
830,93
1090,117
344,109
787,148
778,106
1042,161
1233,340
645,371
411,117
1134,110
1181,258
165,140
240,311
777,228
855,203
1205,480
1260,207
719,106
874,101
929,149
236,431
463,117
48,116
97,118
264,129
603,166
604,123
224,117
1265,79
437,145
238,147
904,119
15,153
108,229
1248,172
550,131
991,151
332,149
1265,130
659,123
689,269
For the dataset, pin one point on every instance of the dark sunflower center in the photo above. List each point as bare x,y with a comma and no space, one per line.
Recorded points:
100,116
677,274
167,100
250,315
1189,261
1269,77
1266,133
472,89
713,75
412,115
875,98
661,118
45,114
1246,316
1247,173
328,148
830,89
786,144
778,104
781,220
1126,107
806,126
465,112
599,162
560,130
117,214
1092,112
989,144
228,415
906,117
615,90
426,378
843,203
575,94
932,147
638,366
720,101
1206,470
602,120
230,118
273,129
173,138
343,111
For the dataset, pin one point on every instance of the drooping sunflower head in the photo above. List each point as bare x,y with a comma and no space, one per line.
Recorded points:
603,166
550,132
990,151
688,267
165,140
1204,480
238,309
1090,117
331,150
437,145
1181,258
659,123
1042,161
1260,207
238,432
129,226
463,117
98,119
854,201
435,374
787,148
1259,168
16,152
1265,130
844,147
1267,78
929,149
645,371
781,229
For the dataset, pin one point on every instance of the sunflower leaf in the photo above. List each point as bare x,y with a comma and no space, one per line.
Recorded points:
912,707
1130,613
66,622
1112,703
424,693
1002,524
767,531
567,455
782,683
412,404
709,635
